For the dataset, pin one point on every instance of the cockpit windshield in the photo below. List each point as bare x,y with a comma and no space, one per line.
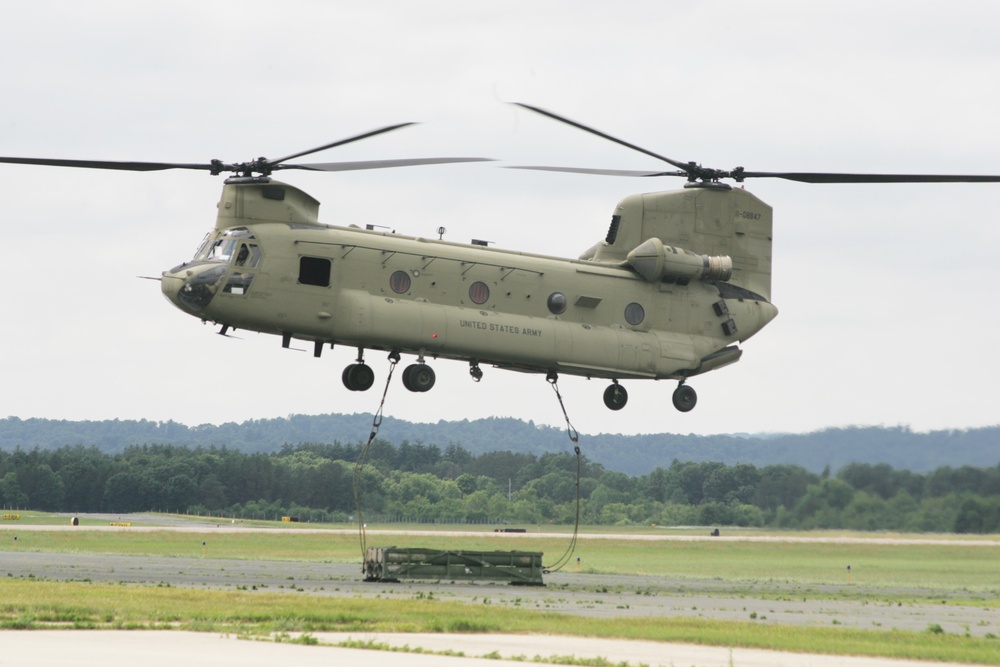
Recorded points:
225,246
223,249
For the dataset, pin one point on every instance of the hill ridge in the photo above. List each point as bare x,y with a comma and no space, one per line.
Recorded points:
831,448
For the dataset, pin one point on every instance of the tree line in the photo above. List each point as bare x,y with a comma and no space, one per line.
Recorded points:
899,447
424,483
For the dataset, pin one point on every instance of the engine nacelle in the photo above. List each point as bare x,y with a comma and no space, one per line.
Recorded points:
655,261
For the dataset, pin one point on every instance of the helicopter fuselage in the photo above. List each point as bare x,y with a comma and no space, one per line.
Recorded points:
270,266
681,278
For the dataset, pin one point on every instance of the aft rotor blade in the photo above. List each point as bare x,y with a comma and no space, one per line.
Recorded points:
680,165
359,137
106,164
696,172
378,164
820,177
602,172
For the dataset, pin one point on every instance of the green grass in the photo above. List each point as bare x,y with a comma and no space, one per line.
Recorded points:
269,545
29,517
40,604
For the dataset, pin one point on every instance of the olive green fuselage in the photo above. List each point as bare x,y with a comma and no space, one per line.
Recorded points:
270,266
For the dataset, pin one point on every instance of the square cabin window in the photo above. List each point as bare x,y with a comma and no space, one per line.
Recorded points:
314,271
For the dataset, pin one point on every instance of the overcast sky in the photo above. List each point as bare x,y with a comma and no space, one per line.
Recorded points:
887,293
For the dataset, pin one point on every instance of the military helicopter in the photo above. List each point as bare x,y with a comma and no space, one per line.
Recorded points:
679,281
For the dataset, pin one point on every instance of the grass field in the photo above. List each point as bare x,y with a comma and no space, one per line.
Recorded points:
34,604
952,572
958,566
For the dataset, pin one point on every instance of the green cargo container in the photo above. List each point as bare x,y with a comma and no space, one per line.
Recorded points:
395,563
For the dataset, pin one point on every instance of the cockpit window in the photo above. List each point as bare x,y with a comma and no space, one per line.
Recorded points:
248,255
222,247
199,290
203,248
238,283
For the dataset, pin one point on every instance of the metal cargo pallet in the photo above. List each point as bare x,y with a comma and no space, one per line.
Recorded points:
395,563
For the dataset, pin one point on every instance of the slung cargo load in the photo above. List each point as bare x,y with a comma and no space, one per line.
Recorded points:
523,568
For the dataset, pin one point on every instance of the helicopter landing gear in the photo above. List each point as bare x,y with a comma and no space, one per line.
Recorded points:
418,377
475,371
685,397
615,396
358,377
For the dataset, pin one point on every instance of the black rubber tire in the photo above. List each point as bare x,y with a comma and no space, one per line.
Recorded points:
418,377
345,377
615,397
685,398
361,377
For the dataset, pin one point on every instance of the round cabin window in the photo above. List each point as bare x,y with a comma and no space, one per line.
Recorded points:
399,282
634,314
479,292
557,303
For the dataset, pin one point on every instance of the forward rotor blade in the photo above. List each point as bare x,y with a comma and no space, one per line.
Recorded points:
820,177
680,165
359,137
106,164
378,164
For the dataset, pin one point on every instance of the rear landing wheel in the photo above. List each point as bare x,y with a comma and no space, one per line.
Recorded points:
685,398
418,377
615,397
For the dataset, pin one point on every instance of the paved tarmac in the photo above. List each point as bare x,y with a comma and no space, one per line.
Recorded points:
109,648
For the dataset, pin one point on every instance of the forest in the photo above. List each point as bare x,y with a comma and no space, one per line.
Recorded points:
424,483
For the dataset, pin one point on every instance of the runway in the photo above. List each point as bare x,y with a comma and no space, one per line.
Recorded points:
110,648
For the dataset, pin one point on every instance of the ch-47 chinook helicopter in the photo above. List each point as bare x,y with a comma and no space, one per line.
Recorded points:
679,281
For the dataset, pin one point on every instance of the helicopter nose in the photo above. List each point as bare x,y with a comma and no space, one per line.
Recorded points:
191,288
170,285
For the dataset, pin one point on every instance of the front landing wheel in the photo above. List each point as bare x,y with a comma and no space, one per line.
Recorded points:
418,377
358,377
